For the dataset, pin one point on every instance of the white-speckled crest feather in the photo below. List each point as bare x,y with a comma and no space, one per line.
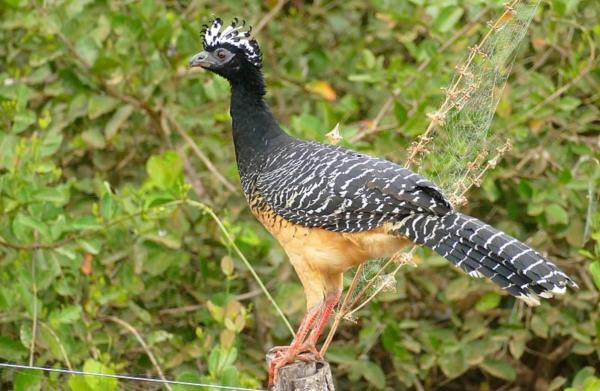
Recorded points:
235,35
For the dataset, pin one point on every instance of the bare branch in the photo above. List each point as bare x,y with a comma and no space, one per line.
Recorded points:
146,348
343,309
198,152
270,15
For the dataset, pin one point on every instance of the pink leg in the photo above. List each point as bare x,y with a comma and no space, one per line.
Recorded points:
290,353
328,307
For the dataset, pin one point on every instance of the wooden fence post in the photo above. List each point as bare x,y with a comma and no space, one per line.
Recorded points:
302,376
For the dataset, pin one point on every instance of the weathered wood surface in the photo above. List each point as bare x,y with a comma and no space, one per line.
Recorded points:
302,376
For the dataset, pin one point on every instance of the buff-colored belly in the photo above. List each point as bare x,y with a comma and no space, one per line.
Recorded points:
327,251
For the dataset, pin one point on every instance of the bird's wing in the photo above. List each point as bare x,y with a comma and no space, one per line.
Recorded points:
320,185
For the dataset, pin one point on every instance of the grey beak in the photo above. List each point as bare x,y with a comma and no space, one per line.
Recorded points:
203,59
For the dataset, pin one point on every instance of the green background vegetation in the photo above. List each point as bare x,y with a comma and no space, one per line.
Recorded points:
97,244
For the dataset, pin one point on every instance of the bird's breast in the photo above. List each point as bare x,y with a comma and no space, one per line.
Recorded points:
325,250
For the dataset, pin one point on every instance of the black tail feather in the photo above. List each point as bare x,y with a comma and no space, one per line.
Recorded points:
482,250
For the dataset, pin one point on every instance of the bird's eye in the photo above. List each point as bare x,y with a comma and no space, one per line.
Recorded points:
221,54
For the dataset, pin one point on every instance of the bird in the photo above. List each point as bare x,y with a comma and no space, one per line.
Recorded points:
332,208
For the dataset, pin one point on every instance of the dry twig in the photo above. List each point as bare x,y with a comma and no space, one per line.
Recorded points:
198,152
270,15
449,102
146,348
34,308
343,309
59,343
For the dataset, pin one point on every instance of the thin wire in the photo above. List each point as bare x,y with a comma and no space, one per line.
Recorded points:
125,377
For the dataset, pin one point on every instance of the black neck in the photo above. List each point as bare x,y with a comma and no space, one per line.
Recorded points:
255,130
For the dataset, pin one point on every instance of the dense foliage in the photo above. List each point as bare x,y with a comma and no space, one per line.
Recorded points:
105,136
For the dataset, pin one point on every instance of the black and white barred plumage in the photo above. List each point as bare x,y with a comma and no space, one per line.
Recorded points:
325,186
335,189
483,251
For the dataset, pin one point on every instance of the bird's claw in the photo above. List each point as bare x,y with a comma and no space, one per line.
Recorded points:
312,349
285,355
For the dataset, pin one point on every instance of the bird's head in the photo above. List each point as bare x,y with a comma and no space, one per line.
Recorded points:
229,53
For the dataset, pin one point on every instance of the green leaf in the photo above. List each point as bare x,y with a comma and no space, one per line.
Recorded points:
400,112
447,18
100,104
107,204
85,223
94,138
75,7
583,374
568,103
557,383
539,326
371,372
475,351
453,364
27,380
165,170
565,7
23,120
341,354
21,96
8,144
68,314
363,77
392,341
44,120
457,289
556,214
11,350
77,383
499,369
219,359
230,376
517,343
50,144
187,376
594,269
99,383
488,301
157,198
156,336
116,121
89,246
58,195
87,48
591,384
23,226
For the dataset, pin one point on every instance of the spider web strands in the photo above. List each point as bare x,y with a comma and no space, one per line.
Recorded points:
458,144
369,279
125,377
455,148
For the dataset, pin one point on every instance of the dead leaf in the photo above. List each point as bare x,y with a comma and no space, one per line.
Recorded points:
323,89
506,16
227,265
334,137
227,338
389,22
86,265
538,42
368,124
535,125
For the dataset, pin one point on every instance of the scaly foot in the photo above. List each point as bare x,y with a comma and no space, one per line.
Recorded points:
307,349
312,349
285,355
